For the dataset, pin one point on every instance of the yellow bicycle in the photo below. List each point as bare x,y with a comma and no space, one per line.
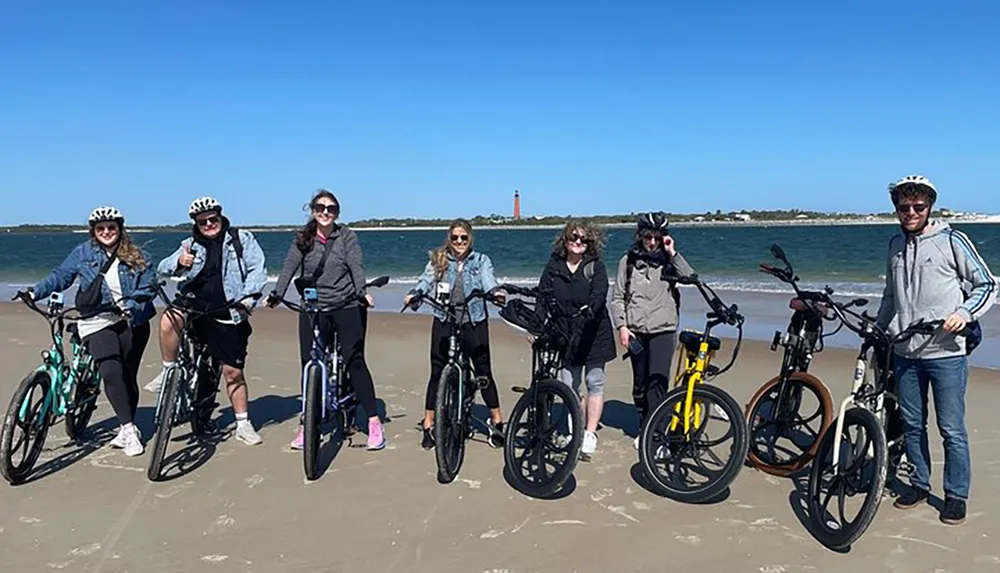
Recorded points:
677,451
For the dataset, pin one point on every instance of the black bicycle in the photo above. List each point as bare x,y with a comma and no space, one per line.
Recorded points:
326,393
456,388
545,429
182,396
865,445
789,413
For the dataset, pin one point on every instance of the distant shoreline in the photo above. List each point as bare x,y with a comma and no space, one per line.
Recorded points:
813,222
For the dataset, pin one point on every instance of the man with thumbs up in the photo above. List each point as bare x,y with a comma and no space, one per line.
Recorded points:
217,265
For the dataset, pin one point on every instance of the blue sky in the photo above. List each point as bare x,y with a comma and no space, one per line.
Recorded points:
443,108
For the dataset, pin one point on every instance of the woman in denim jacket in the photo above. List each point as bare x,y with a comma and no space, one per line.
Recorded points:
117,338
458,270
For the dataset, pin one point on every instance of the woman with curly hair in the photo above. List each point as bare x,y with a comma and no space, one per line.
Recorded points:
578,281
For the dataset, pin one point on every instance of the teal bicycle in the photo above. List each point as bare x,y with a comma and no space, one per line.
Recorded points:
61,387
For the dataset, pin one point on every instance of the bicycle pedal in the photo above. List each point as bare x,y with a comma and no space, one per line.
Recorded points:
482,382
519,389
906,469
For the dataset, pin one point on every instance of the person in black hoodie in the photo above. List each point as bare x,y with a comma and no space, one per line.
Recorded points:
578,281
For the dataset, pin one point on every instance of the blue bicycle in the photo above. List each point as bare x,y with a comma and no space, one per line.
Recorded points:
325,396
62,386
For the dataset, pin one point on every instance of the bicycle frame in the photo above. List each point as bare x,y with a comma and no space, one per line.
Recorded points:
323,356
63,378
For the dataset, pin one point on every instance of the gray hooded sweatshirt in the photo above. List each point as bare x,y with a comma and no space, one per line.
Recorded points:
924,278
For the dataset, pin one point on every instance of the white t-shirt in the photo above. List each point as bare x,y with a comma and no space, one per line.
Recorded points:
91,325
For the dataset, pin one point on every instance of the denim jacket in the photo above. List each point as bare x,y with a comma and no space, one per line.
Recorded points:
85,262
477,274
232,279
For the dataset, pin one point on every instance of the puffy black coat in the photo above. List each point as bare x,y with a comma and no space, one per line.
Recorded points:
591,336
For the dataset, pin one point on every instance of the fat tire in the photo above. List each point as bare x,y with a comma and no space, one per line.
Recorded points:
447,391
797,464
17,474
844,537
563,473
312,422
172,379
730,470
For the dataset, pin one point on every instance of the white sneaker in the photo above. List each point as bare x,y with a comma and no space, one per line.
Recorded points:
589,444
119,440
133,446
246,434
154,384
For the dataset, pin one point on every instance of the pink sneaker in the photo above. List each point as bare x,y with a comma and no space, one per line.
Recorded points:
299,442
376,440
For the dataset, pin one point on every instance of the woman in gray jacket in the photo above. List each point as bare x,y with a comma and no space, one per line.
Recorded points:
645,309
330,253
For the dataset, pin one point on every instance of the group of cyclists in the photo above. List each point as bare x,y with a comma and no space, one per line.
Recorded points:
219,264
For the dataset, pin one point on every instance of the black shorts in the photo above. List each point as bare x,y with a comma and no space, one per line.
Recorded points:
227,343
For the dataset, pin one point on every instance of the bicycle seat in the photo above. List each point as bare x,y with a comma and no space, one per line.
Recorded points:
692,340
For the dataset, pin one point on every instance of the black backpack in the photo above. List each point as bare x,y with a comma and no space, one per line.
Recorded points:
234,234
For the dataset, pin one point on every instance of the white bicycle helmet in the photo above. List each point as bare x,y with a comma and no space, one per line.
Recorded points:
913,180
106,213
203,204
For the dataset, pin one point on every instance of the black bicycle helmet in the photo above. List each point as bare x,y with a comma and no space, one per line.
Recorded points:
655,221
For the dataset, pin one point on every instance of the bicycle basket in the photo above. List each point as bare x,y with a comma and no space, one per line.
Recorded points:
522,316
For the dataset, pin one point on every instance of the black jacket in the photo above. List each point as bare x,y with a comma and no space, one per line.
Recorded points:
591,336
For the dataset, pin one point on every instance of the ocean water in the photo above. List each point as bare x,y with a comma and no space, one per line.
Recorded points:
849,258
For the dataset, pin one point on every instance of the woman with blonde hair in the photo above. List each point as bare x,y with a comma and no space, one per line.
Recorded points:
455,270
116,278
578,282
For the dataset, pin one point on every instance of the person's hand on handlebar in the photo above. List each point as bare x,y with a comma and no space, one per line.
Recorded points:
272,299
369,300
954,323
498,296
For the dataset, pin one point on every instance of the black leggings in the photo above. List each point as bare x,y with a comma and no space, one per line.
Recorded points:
651,371
117,351
349,324
475,341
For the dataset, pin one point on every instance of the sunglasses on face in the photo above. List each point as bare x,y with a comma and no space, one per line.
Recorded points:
208,221
106,228
329,208
459,238
578,238
915,207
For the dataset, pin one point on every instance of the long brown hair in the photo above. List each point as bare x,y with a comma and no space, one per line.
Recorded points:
128,253
439,256
306,237
593,235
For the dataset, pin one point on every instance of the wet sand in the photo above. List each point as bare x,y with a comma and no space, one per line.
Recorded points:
231,507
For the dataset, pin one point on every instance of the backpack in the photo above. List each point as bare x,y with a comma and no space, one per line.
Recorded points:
974,329
234,234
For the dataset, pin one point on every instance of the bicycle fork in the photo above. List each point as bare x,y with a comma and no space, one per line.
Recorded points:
859,377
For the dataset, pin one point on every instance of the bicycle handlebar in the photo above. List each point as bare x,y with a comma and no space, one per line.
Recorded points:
64,313
178,302
727,314
449,308
376,283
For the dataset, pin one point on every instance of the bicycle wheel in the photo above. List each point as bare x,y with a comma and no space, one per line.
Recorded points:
85,393
173,378
30,397
673,460
543,440
861,470
312,422
450,426
784,441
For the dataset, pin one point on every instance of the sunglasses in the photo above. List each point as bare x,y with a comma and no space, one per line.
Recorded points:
578,238
329,208
916,208
459,238
209,221
106,228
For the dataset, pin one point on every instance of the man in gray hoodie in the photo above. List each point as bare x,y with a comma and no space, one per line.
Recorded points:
927,267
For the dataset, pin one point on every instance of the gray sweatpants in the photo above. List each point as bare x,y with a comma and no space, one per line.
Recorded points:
593,373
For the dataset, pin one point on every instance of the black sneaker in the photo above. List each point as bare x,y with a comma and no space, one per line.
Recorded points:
428,441
953,512
912,498
495,438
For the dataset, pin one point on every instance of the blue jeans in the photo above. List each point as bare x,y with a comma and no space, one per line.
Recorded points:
947,378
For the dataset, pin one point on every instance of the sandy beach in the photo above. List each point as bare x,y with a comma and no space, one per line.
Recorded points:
230,507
